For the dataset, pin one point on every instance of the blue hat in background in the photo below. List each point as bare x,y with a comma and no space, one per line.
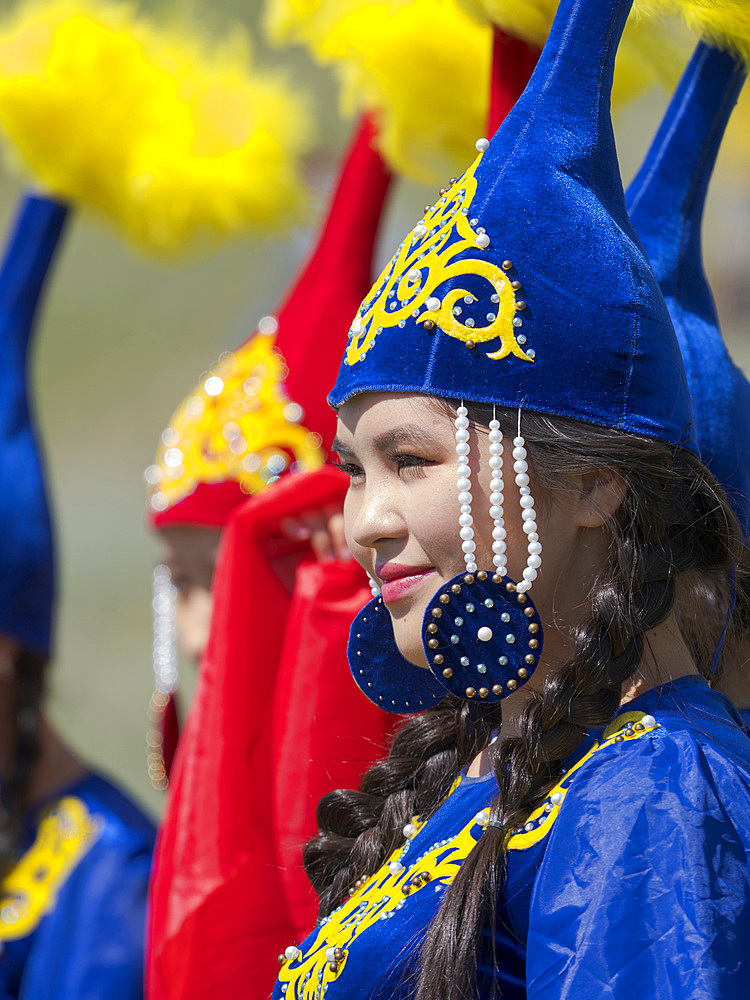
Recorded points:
26,553
526,285
666,202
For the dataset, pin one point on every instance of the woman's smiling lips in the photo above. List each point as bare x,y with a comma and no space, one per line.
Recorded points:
398,580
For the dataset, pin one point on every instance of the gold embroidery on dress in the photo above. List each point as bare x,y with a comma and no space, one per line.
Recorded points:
30,889
381,896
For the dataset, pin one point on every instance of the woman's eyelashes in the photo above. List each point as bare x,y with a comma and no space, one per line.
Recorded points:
413,465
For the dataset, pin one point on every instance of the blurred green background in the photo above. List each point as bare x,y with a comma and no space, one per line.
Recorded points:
123,338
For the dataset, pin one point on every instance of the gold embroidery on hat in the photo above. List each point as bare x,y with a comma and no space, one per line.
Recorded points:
431,248
237,425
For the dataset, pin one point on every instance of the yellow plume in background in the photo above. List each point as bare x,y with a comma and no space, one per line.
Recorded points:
724,23
170,140
422,68
650,52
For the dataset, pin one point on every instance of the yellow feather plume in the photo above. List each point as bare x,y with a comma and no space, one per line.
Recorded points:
724,23
403,62
168,140
650,52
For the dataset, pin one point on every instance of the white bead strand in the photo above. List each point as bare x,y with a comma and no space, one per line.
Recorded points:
374,588
499,557
528,513
463,482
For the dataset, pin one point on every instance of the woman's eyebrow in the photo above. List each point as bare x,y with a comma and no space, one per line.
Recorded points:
406,434
339,447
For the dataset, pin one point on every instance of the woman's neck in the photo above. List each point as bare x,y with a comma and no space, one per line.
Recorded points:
665,658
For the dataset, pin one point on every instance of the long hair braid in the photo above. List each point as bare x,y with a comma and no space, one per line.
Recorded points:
674,523
27,692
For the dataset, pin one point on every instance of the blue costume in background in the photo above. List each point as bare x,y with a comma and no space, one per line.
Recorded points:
630,879
72,908
72,911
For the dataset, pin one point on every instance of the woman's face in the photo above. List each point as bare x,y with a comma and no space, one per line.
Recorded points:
401,511
190,554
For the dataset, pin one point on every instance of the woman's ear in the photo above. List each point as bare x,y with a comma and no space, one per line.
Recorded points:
602,492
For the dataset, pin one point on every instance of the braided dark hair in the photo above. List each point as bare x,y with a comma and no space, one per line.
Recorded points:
673,524
27,690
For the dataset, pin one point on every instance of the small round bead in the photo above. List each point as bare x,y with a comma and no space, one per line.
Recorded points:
466,519
535,548
471,567
466,533
464,483
529,527
465,497
496,497
527,501
395,867
522,479
648,721
465,508
534,562
528,514
469,546
533,537
556,798
462,448
482,818
518,466
498,531
498,547
484,634
410,831
496,512
291,953
462,434
482,145
530,574
518,442
519,454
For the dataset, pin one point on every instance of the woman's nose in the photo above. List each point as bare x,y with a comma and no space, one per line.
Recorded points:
377,518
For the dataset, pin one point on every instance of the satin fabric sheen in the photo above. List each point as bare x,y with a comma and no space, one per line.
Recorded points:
641,884
89,945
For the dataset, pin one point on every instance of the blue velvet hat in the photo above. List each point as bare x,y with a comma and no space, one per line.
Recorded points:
526,285
666,202
26,553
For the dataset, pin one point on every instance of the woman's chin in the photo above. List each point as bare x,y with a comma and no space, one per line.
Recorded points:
411,651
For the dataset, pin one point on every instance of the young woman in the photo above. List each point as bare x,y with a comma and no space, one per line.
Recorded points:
567,815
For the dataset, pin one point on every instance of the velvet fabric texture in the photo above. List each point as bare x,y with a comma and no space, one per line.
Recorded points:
27,579
526,284
631,876
666,203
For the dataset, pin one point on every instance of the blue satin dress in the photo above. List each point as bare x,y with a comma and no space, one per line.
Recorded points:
72,910
631,879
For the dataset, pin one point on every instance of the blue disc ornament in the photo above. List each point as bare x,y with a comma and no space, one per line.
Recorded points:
381,672
481,637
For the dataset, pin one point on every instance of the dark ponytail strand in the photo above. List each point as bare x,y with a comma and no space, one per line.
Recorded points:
26,690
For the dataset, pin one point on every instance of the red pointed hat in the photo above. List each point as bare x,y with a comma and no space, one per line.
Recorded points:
261,411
